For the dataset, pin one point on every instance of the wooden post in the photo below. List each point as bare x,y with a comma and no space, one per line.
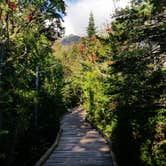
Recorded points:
37,88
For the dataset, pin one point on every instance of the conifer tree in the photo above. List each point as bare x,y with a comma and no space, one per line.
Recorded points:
91,29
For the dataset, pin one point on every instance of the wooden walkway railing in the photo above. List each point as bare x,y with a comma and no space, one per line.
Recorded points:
80,144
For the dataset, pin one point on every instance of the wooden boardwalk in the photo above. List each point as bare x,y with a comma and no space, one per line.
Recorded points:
80,144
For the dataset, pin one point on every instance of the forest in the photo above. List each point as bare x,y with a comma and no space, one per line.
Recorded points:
117,74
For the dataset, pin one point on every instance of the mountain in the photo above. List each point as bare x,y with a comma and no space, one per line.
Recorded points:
71,39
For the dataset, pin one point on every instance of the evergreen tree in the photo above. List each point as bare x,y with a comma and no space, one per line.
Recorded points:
91,29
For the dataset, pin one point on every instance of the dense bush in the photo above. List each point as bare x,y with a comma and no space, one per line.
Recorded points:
70,59
139,86
31,80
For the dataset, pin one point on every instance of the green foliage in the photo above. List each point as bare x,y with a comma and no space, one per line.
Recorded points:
68,56
118,77
153,149
25,107
138,86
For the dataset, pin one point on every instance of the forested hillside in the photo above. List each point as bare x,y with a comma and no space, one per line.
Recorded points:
116,74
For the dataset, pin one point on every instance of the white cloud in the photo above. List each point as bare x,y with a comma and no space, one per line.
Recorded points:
77,17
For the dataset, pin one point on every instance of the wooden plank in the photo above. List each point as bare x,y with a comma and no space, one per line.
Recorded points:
80,144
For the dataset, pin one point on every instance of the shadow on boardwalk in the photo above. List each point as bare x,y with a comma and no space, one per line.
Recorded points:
80,144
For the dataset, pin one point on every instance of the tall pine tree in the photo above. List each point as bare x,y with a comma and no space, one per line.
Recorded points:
91,29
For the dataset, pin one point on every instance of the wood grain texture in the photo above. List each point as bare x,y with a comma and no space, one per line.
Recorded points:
80,144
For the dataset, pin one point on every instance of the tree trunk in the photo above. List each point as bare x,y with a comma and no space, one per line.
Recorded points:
3,46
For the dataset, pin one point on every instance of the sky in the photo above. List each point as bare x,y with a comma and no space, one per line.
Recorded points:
78,12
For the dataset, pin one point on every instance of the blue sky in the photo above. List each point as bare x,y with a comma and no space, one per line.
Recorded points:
78,12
